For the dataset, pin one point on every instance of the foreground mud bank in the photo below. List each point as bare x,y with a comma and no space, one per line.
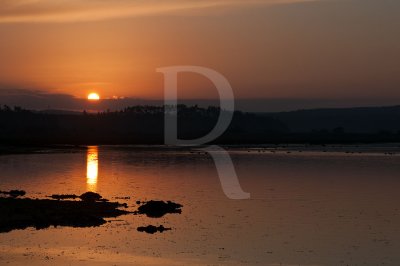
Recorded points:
40,214
63,210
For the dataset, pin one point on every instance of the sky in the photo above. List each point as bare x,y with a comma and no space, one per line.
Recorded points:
276,54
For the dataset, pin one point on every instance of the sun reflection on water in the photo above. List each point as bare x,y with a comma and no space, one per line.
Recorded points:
92,171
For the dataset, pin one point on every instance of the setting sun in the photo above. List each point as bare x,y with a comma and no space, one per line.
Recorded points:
93,97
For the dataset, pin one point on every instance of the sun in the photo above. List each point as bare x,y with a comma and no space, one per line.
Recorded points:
93,96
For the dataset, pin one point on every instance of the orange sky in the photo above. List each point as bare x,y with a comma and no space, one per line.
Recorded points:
266,49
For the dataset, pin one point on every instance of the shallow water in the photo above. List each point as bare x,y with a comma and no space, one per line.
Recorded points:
321,206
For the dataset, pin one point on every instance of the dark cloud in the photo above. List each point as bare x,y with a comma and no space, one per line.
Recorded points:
41,100
38,100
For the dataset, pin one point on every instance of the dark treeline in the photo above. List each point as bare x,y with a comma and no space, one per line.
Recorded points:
145,125
133,125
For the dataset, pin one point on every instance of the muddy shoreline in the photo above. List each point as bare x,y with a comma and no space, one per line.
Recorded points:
90,210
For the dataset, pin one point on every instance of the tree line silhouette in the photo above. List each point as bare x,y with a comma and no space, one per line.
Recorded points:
145,125
132,125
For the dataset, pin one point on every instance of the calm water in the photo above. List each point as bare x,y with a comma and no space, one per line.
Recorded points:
306,208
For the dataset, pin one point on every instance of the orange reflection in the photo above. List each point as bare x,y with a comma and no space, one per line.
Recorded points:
92,168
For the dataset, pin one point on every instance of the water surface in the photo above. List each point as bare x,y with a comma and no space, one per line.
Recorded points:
315,207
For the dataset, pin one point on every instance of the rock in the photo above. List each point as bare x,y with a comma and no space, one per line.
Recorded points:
63,197
43,213
157,209
90,196
151,229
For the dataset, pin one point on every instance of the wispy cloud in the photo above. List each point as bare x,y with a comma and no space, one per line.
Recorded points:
17,11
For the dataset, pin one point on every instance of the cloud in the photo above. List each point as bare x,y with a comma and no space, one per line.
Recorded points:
33,99
20,11
37,99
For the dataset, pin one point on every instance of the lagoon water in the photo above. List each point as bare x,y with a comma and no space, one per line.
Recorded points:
308,206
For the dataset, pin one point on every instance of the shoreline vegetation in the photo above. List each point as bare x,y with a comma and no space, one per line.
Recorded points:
144,125
90,210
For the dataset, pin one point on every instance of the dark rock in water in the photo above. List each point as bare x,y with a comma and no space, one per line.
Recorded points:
90,196
63,197
157,209
14,193
23,213
151,229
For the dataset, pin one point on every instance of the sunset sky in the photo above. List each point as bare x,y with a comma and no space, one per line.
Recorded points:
307,50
